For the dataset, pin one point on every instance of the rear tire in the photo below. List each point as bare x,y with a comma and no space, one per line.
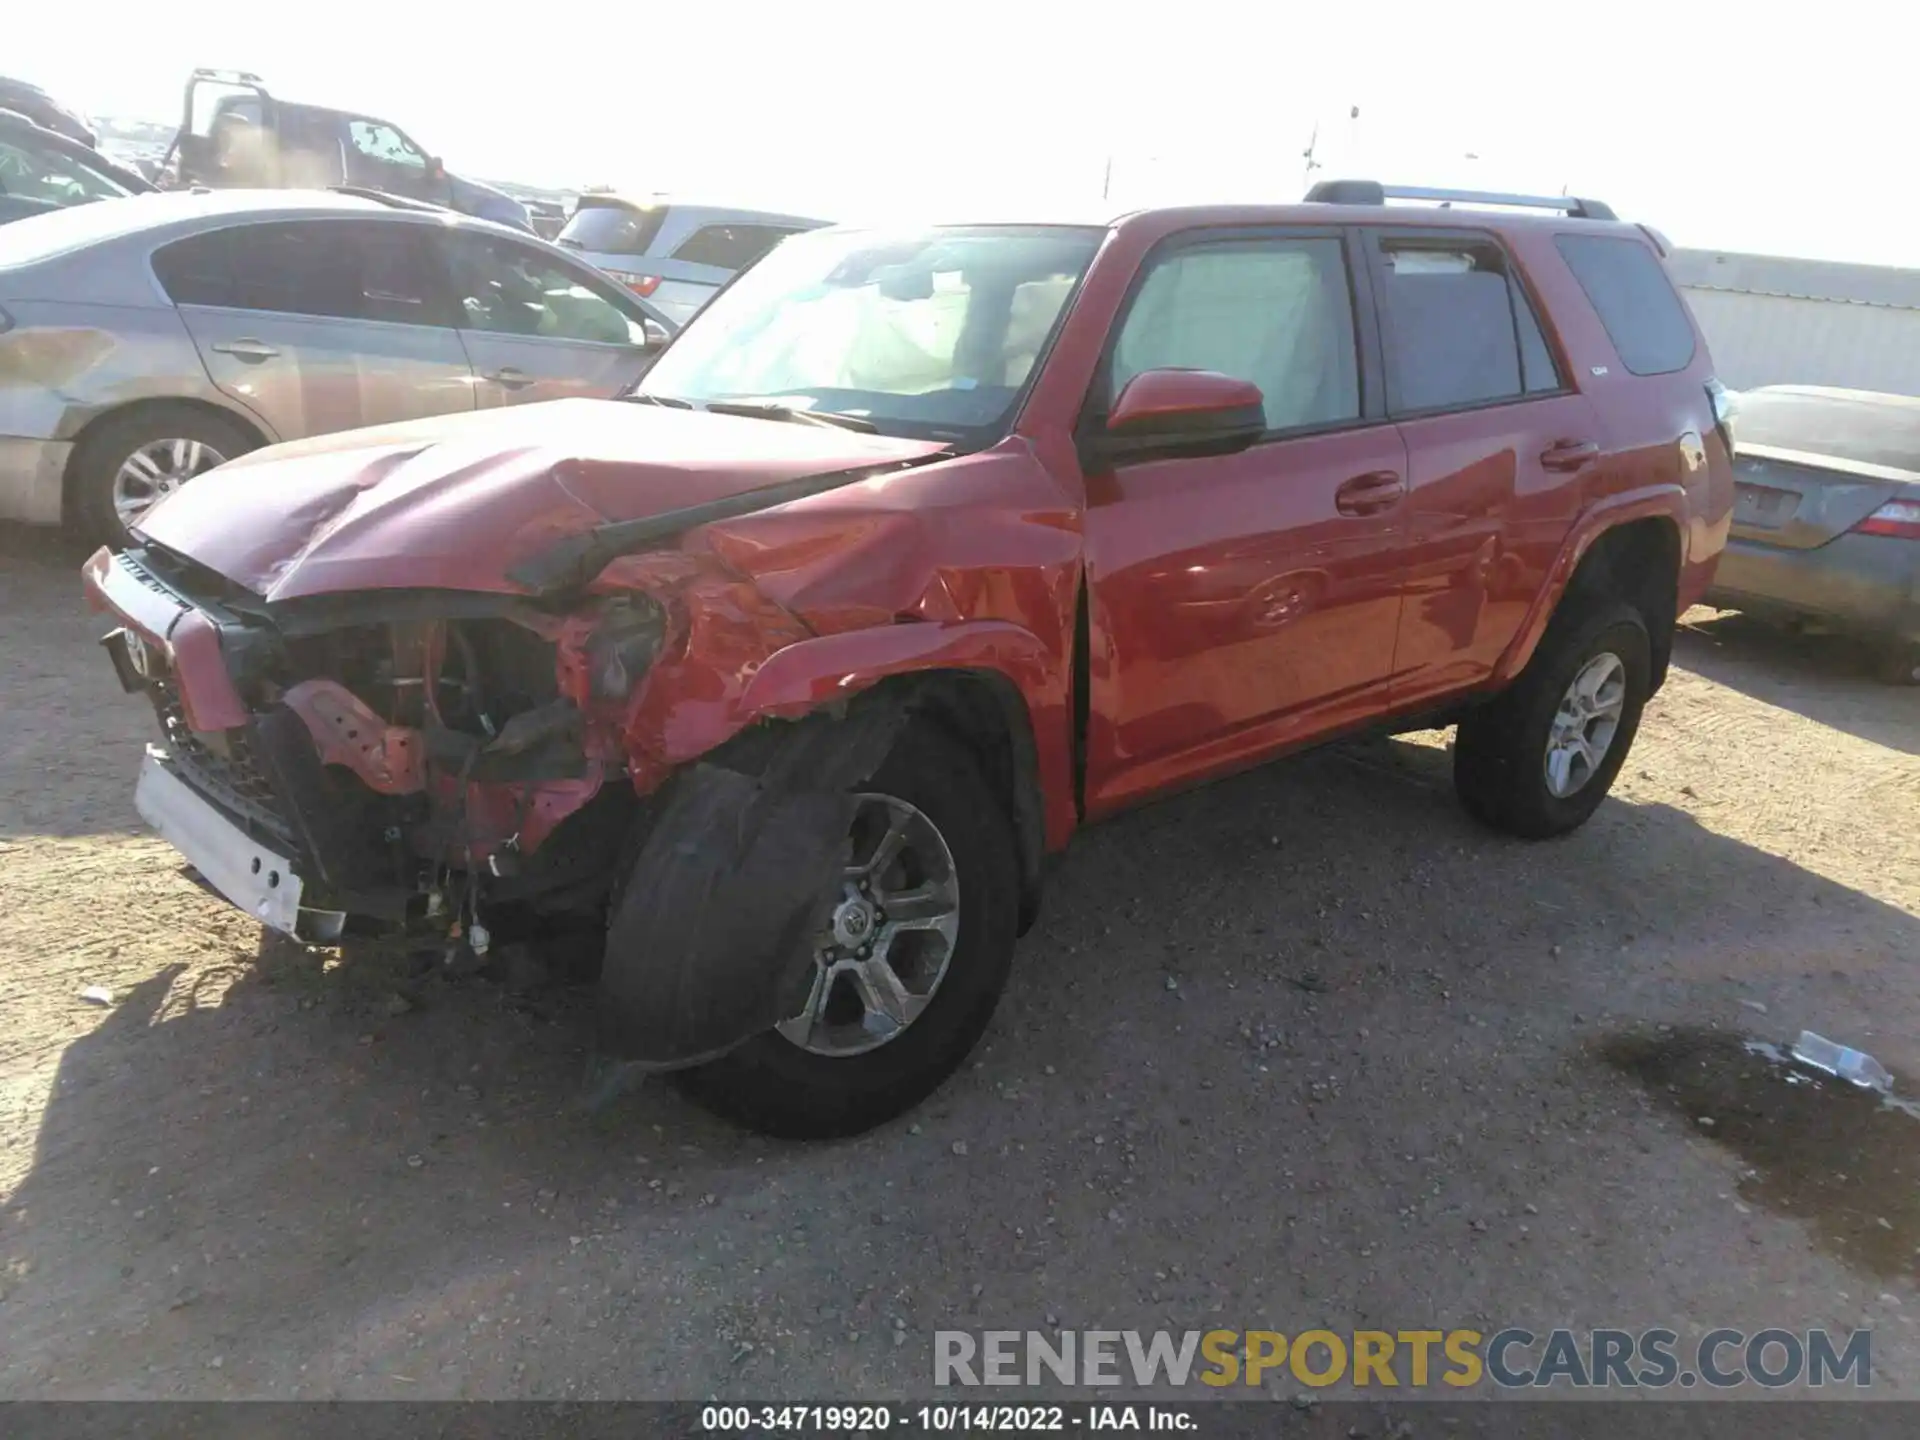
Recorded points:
102,499
1501,753
773,1085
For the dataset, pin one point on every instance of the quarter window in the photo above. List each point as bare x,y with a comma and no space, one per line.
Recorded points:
1634,300
1276,312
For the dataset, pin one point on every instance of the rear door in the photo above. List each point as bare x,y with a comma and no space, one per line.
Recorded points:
1498,445
537,326
321,325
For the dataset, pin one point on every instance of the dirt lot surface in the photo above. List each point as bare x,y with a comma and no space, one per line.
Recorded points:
1304,1048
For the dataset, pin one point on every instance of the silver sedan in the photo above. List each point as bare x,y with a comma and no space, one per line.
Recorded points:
1826,520
143,341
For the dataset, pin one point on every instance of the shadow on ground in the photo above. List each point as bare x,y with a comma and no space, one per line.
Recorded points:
1284,1047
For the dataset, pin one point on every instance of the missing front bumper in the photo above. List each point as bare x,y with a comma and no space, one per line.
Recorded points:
251,876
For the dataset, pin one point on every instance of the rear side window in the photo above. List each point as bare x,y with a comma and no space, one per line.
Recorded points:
343,269
612,227
1458,328
1634,300
730,247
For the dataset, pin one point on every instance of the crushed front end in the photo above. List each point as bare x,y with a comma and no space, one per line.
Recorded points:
380,759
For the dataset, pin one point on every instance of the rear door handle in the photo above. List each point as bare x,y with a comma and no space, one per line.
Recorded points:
1370,493
1569,454
248,349
511,377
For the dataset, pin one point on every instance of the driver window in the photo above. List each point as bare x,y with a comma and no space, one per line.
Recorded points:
1276,312
380,141
509,289
36,174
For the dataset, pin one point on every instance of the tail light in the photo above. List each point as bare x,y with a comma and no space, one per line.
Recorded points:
641,285
1898,518
1722,400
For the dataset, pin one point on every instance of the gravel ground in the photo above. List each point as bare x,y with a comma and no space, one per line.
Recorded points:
1301,1049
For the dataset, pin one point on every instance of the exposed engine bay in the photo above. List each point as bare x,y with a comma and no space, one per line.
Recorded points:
461,754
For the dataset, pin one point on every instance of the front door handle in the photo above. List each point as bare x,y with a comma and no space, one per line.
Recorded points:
511,377
1371,493
248,349
1569,455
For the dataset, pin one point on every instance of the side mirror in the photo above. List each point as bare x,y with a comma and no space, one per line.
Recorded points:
657,337
1183,412
435,168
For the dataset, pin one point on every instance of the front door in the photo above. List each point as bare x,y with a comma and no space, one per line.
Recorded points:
1241,603
539,327
1499,445
321,325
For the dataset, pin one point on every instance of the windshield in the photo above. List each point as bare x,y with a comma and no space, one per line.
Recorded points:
930,334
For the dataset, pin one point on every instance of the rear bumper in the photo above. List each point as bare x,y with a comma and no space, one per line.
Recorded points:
32,478
1868,584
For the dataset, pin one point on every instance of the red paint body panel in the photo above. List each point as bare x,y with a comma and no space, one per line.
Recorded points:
182,634
1233,605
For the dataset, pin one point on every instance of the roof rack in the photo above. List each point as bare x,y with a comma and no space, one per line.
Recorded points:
1372,192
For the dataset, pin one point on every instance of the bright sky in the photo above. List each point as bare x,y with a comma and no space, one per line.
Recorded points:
1784,129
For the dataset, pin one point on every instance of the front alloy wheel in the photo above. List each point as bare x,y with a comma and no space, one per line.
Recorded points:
891,937
911,963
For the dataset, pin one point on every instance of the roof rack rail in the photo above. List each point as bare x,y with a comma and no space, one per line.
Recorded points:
1372,192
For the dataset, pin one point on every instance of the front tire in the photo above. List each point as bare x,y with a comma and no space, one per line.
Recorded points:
824,1074
1538,760
126,463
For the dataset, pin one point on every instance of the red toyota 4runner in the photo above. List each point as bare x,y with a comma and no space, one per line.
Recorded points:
913,554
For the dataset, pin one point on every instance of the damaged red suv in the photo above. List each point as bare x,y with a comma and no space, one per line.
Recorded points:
913,554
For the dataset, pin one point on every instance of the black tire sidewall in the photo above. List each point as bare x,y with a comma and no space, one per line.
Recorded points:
772,1085
1500,755
105,448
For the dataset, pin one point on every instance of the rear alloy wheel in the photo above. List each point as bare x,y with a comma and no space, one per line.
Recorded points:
127,464
1538,760
909,968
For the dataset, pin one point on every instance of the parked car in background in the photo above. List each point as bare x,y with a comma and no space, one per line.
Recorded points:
1826,520
143,343
233,134
41,108
41,170
673,254
914,553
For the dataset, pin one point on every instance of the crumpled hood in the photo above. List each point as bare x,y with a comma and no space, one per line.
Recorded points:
455,502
